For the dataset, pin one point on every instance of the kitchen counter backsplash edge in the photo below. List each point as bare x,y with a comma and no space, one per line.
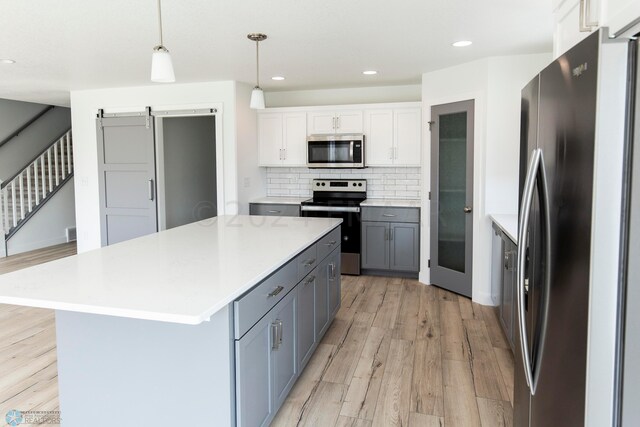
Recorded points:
382,182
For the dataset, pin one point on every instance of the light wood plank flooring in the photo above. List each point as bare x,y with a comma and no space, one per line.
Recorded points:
28,370
403,354
398,353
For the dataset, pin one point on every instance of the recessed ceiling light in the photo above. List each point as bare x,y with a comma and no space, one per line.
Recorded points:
462,43
369,72
7,61
278,78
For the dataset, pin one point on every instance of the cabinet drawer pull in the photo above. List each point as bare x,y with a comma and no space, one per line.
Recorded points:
276,291
388,215
311,279
273,211
331,243
310,262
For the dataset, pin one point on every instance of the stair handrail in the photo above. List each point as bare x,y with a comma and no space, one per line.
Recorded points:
35,184
26,125
36,157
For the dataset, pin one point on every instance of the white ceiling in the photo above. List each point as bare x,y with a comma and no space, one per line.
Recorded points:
78,44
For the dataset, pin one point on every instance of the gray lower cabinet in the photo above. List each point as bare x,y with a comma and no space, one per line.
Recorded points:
508,294
306,324
284,367
271,353
253,371
266,364
391,239
506,283
269,209
404,242
334,283
375,247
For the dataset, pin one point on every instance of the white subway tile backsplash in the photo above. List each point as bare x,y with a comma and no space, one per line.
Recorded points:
404,183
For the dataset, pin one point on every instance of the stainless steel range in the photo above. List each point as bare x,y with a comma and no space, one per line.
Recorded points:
340,198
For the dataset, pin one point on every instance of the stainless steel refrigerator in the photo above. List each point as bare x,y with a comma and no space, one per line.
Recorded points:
574,133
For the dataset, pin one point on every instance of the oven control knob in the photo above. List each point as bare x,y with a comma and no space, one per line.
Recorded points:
318,184
359,184
323,184
354,184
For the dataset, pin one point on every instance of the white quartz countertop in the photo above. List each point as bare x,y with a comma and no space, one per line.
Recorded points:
508,224
281,200
182,275
389,203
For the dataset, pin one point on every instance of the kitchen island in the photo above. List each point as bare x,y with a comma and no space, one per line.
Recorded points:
155,330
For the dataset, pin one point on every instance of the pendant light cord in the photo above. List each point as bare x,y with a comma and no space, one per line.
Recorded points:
160,21
257,63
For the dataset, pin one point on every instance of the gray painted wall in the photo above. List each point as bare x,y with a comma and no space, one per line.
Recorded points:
47,226
16,153
189,162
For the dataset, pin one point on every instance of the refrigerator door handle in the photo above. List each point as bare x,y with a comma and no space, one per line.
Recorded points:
525,211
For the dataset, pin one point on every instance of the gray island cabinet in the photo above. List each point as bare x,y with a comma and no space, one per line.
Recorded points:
208,324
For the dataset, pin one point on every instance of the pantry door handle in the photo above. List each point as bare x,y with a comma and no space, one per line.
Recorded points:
151,189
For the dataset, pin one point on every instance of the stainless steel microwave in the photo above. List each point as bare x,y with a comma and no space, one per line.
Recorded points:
335,151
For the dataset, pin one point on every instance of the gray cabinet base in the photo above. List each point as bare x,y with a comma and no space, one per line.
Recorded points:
389,273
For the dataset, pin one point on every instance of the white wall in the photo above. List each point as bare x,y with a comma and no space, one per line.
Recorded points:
495,84
359,95
20,150
47,226
84,107
252,180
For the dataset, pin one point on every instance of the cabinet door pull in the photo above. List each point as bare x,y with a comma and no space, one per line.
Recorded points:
338,121
309,262
276,291
284,154
387,215
279,322
274,211
151,192
391,234
274,336
331,243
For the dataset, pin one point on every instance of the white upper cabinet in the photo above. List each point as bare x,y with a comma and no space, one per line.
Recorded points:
349,121
378,137
270,137
295,139
393,132
576,19
393,137
282,139
329,122
321,122
407,136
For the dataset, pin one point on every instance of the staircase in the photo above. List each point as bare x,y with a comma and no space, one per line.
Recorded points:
22,195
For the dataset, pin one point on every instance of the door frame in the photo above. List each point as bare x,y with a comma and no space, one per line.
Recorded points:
478,98
215,109
158,117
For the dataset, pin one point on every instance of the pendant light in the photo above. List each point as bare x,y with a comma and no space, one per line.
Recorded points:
257,95
161,64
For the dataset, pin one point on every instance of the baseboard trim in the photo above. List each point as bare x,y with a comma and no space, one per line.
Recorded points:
31,246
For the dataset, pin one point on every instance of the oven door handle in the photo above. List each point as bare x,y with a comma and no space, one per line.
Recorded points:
330,209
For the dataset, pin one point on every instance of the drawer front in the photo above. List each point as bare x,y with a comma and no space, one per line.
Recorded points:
274,210
328,243
306,261
391,214
255,304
